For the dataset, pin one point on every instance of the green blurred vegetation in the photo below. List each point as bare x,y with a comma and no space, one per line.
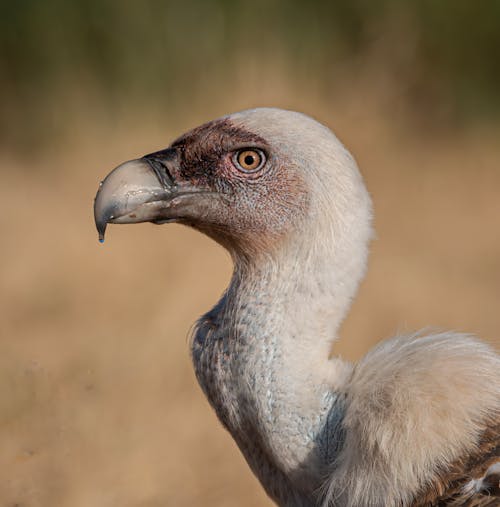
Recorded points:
161,52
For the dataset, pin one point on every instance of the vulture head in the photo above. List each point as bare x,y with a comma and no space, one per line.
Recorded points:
281,193
254,181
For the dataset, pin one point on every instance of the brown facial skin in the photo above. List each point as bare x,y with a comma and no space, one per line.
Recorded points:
245,211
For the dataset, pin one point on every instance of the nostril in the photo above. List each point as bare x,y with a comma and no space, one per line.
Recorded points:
161,170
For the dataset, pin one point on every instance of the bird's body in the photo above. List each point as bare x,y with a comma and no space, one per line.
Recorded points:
415,422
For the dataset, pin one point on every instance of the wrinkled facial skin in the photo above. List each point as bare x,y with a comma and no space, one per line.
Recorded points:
245,211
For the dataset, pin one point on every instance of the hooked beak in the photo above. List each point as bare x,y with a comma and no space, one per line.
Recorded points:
140,190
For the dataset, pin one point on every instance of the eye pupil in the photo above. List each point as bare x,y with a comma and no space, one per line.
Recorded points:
249,159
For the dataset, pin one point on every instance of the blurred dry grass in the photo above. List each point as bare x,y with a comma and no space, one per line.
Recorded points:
98,403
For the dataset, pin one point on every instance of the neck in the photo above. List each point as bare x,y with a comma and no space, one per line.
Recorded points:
262,357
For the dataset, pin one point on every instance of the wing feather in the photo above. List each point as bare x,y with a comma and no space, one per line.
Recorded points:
473,480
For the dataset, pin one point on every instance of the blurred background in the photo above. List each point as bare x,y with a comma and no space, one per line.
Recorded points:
98,402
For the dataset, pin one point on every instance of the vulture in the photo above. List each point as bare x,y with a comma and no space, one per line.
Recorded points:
416,422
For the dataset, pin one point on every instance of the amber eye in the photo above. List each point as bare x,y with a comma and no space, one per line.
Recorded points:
249,160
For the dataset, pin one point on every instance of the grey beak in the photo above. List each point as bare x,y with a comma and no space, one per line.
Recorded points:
133,192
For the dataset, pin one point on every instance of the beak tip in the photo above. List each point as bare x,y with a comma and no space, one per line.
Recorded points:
101,223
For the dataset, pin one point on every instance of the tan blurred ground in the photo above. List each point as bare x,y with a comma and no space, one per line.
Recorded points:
98,402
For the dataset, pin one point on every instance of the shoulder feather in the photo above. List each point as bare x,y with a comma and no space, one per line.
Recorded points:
416,408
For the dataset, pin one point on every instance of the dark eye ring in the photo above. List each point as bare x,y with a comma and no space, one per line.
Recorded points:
249,160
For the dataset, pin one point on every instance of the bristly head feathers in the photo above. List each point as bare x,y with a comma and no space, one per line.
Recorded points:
308,185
